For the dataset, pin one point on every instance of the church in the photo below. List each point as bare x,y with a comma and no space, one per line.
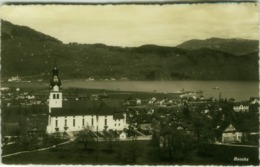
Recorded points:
74,115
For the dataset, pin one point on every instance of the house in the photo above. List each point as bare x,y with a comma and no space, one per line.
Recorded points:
230,134
241,108
180,127
30,97
122,136
4,89
138,102
254,100
74,115
14,79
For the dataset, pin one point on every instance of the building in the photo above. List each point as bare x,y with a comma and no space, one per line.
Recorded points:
241,108
123,136
254,100
14,79
74,115
230,134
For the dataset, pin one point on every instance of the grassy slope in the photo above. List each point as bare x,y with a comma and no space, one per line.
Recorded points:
73,154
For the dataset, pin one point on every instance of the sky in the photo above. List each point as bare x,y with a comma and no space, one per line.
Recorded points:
136,25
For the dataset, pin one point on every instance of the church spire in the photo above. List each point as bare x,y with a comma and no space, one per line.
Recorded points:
55,82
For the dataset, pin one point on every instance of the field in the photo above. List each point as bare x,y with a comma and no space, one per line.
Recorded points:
19,147
227,154
74,153
127,152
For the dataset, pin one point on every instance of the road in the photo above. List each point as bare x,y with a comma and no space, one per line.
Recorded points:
40,149
235,145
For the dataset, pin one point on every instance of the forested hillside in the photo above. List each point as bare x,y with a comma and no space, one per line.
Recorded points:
26,52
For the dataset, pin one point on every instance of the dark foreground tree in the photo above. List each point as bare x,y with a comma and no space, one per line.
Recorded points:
177,146
85,137
129,153
109,137
29,142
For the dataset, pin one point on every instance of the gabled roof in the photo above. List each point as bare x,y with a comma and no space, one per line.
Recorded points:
90,107
230,127
245,126
123,133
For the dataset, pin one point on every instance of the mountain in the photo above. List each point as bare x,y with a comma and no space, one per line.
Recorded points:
31,54
10,31
236,46
24,51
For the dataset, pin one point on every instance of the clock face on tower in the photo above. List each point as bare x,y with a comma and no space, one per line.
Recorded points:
56,88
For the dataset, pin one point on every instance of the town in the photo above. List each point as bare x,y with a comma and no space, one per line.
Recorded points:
117,127
130,83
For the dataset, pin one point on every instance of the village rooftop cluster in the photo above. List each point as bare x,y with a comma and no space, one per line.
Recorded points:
35,120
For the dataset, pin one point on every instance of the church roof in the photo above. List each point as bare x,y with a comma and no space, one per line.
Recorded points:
118,116
90,107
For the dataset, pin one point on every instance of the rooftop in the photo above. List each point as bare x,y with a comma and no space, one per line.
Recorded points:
90,107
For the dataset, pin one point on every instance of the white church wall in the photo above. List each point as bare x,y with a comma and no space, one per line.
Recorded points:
75,123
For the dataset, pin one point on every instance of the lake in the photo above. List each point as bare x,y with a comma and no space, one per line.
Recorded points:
240,90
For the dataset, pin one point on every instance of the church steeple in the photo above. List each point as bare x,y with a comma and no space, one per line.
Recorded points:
55,98
55,82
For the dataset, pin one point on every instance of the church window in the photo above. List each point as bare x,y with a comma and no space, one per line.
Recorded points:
58,96
54,96
83,122
56,123
92,121
74,122
65,122
105,121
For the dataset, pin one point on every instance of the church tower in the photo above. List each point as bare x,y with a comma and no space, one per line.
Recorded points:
55,98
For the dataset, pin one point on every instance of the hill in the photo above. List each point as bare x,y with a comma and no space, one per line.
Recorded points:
10,31
236,46
28,53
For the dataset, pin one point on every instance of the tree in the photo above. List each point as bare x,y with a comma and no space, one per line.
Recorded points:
151,75
202,126
254,108
177,145
29,142
204,133
85,136
128,153
109,138
181,145
186,111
